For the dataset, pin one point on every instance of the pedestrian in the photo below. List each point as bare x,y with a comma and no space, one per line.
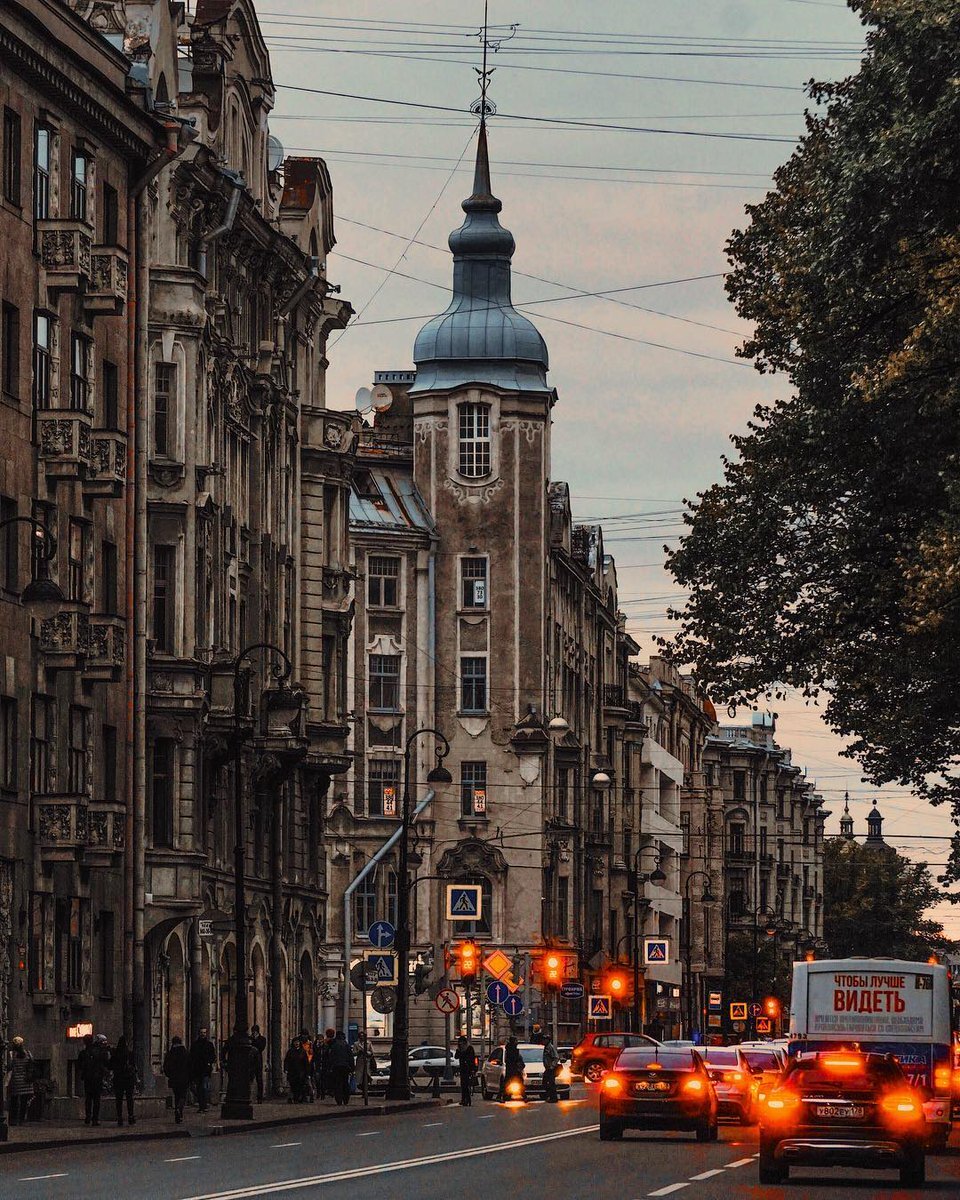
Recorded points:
259,1043
467,1064
203,1056
92,1065
176,1067
323,1066
310,1083
295,1069
512,1065
551,1065
340,1058
124,1080
364,1063
21,1081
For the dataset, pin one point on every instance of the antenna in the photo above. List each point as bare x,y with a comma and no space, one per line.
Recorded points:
484,107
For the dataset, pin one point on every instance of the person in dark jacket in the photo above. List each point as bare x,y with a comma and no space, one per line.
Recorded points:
92,1065
21,1081
124,1079
295,1069
513,1064
340,1058
322,1056
203,1056
176,1067
467,1065
259,1043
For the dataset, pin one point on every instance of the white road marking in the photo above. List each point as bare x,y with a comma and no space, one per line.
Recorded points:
432,1124
31,1178
741,1162
284,1145
671,1187
708,1174
289,1185
371,1133
487,1117
186,1158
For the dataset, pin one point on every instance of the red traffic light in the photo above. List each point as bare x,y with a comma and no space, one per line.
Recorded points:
771,1006
468,958
617,984
553,969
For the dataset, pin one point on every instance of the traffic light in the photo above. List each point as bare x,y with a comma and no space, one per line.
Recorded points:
468,959
771,1006
552,970
617,984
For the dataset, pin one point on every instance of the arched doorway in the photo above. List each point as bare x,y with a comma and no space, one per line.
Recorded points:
175,1024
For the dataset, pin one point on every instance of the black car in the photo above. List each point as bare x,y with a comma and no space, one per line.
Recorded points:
842,1109
655,1087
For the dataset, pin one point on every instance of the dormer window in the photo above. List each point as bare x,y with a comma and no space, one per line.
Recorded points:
474,440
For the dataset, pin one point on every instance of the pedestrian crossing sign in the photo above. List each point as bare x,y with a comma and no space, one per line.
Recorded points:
381,967
464,901
601,1007
738,1010
656,951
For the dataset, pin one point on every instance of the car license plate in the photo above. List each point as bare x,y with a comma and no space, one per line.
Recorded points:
851,1111
644,1086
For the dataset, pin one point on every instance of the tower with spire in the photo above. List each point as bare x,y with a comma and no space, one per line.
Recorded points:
846,821
875,829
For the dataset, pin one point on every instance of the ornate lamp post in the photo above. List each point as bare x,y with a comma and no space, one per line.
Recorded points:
398,1087
284,706
707,899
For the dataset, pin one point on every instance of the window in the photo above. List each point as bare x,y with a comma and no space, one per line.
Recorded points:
473,789
392,887
41,361
365,905
385,682
110,408
685,833
78,186
383,582
11,156
563,793
736,839
79,374
69,963
41,174
738,902
740,786
76,554
161,792
164,397
77,751
108,764
164,597
473,586
42,732
474,440
110,216
108,577
563,906
763,842
473,685
10,350
105,959
41,910
383,787
8,743
9,545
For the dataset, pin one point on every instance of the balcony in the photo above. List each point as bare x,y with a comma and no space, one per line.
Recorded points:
65,639
784,870
60,826
738,855
105,653
108,464
106,292
613,696
65,442
105,834
66,250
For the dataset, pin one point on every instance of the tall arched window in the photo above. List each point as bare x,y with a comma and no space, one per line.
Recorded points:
474,424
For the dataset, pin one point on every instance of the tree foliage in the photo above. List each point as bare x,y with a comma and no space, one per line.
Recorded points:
828,558
874,902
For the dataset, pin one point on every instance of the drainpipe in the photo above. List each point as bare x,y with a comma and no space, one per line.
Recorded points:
237,184
348,897
134,1023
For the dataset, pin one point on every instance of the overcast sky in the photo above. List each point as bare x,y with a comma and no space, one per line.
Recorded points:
638,426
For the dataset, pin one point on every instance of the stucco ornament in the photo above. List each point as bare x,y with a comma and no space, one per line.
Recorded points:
529,766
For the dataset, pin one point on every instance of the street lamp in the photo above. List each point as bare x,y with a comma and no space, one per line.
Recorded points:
559,725
283,706
707,899
655,876
42,591
398,1087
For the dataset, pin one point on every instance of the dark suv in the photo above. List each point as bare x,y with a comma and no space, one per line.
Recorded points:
842,1108
597,1052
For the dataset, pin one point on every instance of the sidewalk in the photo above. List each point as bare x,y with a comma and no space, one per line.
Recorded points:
44,1135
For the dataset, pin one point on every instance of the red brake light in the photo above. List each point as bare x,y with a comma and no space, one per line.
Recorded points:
941,1079
780,1104
842,1063
693,1085
733,1077
902,1106
612,1083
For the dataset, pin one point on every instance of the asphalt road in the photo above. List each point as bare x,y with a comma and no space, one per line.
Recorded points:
487,1152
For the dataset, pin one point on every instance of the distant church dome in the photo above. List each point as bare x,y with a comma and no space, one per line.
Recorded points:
481,338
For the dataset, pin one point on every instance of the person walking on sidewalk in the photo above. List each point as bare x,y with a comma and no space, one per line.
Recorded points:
295,1069
551,1065
259,1043
365,1063
323,1062
341,1065
124,1080
203,1056
513,1065
467,1066
21,1082
92,1063
176,1067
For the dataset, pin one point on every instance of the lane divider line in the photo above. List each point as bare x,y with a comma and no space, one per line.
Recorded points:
671,1187
371,1133
432,1124
185,1158
740,1162
289,1185
31,1178
707,1174
284,1145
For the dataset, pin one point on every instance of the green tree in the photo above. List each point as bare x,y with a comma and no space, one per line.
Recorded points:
826,560
874,901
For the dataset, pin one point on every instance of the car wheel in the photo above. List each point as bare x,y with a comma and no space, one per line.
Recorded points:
610,1131
913,1172
703,1132
939,1136
714,1131
771,1171
484,1090
748,1117
593,1071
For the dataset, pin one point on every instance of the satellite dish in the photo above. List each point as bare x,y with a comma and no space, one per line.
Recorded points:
363,399
381,397
274,153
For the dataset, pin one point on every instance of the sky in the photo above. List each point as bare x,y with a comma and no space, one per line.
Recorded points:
708,98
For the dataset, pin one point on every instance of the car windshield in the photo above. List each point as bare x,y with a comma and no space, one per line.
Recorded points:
763,1060
721,1056
531,1054
644,1056
827,1071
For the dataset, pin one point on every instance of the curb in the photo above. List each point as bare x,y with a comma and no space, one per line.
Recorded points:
337,1114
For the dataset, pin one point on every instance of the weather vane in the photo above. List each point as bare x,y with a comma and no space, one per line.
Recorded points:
483,106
